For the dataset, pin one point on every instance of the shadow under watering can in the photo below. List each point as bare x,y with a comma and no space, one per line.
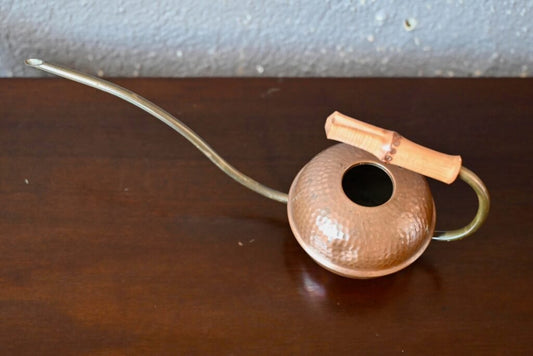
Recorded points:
321,289
361,208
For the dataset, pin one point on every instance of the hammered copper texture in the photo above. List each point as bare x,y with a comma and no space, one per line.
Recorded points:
353,240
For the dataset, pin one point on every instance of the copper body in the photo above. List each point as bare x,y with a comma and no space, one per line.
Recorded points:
350,239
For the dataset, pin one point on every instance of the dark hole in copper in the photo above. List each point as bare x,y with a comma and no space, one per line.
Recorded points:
367,185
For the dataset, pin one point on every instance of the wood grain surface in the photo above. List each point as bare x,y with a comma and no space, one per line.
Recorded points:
118,237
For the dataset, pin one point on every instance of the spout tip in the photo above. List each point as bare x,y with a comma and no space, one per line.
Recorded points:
33,62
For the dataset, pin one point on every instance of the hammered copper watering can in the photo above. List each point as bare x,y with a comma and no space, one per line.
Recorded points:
361,208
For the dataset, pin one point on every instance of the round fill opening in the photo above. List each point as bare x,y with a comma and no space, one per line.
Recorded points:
367,185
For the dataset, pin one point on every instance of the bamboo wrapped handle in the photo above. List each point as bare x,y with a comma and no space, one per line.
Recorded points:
392,148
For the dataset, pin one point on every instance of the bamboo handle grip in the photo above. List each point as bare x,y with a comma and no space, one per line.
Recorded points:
392,148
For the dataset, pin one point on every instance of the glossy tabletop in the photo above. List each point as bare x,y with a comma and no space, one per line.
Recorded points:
118,237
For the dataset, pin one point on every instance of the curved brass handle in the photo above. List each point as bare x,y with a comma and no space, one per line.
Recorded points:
392,148
482,211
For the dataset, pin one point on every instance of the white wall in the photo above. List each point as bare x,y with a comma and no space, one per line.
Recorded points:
270,38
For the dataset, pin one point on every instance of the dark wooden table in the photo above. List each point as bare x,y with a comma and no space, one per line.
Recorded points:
118,237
